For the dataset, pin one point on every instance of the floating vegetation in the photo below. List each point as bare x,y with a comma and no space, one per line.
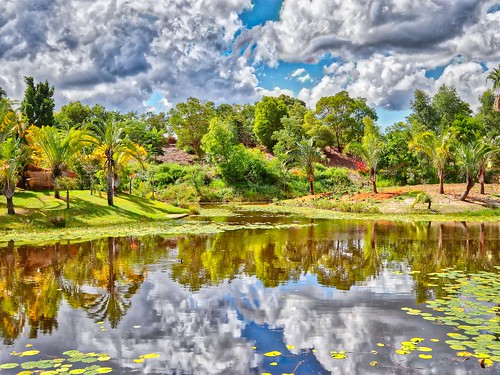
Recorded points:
471,307
59,365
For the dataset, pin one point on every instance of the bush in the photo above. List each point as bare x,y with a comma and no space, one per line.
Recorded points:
177,193
169,173
334,180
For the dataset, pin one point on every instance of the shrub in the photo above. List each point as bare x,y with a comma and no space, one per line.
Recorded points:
334,180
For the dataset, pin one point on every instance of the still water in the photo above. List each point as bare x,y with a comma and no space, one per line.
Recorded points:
317,297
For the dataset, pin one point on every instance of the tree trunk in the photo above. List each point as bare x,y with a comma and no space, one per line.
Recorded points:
480,177
57,195
373,179
67,199
441,181
470,184
311,187
10,206
110,181
496,105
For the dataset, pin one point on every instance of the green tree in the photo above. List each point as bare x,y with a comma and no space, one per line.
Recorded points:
448,107
471,157
12,157
3,93
268,114
494,76
424,116
341,116
55,149
74,114
369,149
487,115
437,149
190,122
306,155
38,103
110,139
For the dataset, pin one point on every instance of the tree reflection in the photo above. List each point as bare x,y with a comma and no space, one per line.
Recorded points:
101,276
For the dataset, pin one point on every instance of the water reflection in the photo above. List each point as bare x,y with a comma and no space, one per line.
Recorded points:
203,301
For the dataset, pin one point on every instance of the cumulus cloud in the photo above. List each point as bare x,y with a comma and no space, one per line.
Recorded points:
384,47
120,52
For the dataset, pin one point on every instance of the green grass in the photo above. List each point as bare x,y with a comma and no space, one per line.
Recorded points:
36,210
486,215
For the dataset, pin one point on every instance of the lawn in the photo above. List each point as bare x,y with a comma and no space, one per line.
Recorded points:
35,210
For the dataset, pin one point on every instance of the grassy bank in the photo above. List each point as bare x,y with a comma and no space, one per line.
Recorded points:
37,211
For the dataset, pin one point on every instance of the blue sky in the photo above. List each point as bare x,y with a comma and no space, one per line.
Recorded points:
140,55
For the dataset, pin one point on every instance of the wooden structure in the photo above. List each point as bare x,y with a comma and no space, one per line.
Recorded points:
40,179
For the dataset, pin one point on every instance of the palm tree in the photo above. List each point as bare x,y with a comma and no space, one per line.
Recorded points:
370,149
436,148
471,156
12,156
306,155
495,77
54,149
110,139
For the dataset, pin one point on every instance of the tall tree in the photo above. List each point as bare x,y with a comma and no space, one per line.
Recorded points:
448,107
306,155
342,116
109,137
487,115
424,116
437,149
268,114
55,149
12,152
494,76
3,93
38,102
471,158
190,121
369,149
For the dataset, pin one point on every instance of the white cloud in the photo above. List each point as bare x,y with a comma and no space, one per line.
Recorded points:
304,78
298,72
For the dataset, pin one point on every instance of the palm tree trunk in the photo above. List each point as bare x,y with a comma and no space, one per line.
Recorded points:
373,179
481,177
110,180
10,206
441,181
67,199
470,184
311,186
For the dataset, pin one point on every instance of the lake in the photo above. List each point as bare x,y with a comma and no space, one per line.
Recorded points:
278,294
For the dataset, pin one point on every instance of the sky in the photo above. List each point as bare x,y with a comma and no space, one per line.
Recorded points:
133,55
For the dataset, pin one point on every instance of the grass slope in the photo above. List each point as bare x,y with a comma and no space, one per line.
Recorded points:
36,210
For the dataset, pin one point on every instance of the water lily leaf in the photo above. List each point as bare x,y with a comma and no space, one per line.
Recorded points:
464,354
104,370
274,353
486,362
151,355
10,365
424,349
27,372
425,356
290,347
417,339
72,353
274,363
380,344
29,353
29,365
373,363
139,360
402,351
435,340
